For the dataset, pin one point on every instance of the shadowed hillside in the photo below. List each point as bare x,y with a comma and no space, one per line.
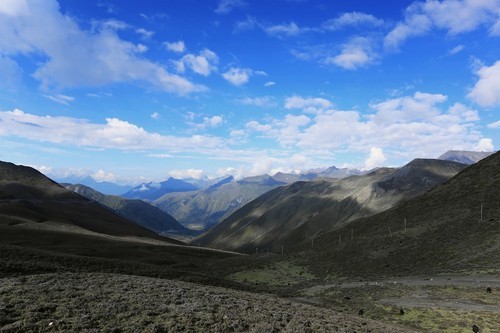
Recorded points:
441,231
137,211
291,214
37,212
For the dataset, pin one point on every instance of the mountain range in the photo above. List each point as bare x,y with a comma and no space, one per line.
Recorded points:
152,191
454,227
137,211
37,212
291,214
203,209
107,188
464,156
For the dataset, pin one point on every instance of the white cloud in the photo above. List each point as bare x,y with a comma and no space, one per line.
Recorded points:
495,124
102,176
239,76
178,46
97,57
226,6
486,91
145,34
203,64
415,126
14,7
356,53
454,16
290,29
114,134
60,98
308,104
485,144
352,19
187,174
269,84
155,116
213,121
456,49
265,101
375,159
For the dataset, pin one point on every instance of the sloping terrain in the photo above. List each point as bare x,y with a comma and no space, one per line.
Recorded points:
205,208
455,227
123,303
136,211
289,215
36,212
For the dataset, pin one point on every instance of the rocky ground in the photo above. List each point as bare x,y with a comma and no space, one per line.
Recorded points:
96,302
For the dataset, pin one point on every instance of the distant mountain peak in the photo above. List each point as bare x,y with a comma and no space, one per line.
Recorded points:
464,156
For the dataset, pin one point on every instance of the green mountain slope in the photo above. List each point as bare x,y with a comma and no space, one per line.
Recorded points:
136,211
294,213
438,232
204,208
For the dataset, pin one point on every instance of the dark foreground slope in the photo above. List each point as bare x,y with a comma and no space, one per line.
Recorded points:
137,211
47,228
292,214
441,231
123,303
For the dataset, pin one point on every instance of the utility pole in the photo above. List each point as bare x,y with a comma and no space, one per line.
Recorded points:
390,232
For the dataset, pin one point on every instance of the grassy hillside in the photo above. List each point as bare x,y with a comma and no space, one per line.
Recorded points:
441,231
291,214
205,208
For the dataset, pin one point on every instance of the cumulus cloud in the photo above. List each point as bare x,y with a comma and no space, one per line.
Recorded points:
486,91
269,84
239,76
97,57
155,115
352,19
145,34
226,6
417,125
356,53
308,104
453,16
103,176
203,64
178,46
376,158
187,174
485,144
290,29
114,134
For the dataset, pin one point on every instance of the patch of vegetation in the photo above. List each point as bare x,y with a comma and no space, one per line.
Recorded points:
278,273
448,309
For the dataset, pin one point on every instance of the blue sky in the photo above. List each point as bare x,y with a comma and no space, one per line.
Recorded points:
131,91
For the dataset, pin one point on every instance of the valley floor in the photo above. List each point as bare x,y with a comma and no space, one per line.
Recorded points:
97,302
